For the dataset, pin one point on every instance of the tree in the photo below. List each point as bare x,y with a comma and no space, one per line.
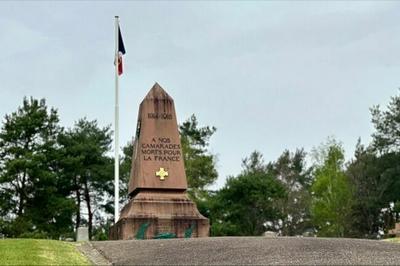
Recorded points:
245,205
386,145
199,163
372,184
291,170
125,171
33,196
86,164
332,193
386,138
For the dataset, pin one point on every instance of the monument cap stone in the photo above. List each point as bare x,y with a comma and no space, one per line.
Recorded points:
157,160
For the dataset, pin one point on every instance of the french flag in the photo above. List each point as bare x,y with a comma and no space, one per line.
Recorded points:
121,51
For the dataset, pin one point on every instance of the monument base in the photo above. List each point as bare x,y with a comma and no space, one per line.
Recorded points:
158,214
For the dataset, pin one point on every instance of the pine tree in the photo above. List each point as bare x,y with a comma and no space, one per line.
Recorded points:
34,196
86,164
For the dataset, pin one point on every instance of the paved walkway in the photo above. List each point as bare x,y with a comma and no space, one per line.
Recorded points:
250,250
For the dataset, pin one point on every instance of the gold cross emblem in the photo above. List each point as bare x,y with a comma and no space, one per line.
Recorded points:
162,173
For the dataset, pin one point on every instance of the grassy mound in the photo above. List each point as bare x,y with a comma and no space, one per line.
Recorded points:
39,252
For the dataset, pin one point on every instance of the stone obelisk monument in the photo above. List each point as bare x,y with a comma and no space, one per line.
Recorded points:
159,205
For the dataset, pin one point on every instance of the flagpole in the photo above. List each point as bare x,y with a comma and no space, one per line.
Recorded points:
116,130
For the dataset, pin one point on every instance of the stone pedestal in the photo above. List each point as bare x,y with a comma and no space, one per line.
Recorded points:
159,205
164,212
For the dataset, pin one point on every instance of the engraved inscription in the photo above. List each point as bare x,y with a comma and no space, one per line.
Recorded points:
161,150
164,116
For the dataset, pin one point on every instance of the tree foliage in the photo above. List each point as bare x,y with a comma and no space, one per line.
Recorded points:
86,164
53,180
331,191
245,205
291,170
371,184
34,198
125,171
383,166
199,163
386,137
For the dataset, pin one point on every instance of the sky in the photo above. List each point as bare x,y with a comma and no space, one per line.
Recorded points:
268,75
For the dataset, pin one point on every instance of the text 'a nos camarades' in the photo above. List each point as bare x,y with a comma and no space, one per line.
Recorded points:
161,150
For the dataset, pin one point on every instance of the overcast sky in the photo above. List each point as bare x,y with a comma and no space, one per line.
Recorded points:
269,75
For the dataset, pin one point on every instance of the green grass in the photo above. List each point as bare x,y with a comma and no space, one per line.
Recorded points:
39,252
393,240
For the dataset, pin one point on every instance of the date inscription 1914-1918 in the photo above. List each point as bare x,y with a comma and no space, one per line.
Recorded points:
164,116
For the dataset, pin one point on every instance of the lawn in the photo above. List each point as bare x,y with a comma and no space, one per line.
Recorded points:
393,240
39,252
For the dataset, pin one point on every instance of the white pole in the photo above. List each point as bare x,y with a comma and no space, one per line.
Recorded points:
116,131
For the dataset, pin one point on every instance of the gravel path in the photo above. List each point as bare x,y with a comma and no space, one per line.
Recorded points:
250,250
